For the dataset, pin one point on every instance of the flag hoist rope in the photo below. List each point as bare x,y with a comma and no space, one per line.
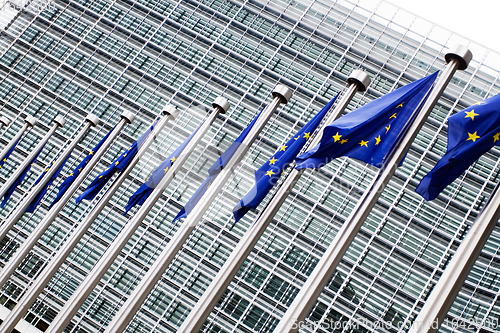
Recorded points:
458,58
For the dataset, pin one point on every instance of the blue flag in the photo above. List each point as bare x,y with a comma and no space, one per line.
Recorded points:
2,162
371,132
36,201
269,173
19,180
214,171
118,165
72,176
471,133
143,192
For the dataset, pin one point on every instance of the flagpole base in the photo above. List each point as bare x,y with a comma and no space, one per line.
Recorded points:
222,104
93,119
283,92
60,120
128,116
460,53
31,121
359,78
4,121
171,111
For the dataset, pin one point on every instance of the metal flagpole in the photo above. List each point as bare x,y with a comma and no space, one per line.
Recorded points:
30,121
459,58
91,120
4,121
443,295
310,291
221,105
30,296
358,81
281,94
59,122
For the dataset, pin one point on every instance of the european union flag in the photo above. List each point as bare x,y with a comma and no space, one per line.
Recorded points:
118,165
36,201
269,173
371,132
19,180
214,171
72,176
2,162
143,192
471,133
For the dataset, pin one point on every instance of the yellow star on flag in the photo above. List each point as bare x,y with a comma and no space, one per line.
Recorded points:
297,138
91,153
471,114
80,170
117,163
307,135
363,143
496,137
399,106
337,137
166,170
272,161
387,129
378,140
284,148
343,141
473,136
393,116
270,173
173,159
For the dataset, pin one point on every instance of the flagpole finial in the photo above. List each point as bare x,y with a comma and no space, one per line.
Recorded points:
460,53
221,103
171,111
359,78
4,120
283,92
93,119
128,116
31,121
60,120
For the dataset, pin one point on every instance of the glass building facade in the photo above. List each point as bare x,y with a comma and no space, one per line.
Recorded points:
104,56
